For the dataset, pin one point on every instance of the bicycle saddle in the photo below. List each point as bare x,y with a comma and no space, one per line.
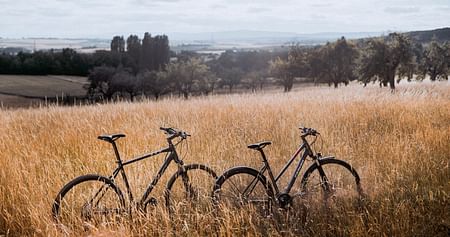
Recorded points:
111,137
259,145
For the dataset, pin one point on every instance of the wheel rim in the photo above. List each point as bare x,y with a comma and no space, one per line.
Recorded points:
340,188
86,205
243,191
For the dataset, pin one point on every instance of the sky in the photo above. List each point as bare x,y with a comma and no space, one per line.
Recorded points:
105,18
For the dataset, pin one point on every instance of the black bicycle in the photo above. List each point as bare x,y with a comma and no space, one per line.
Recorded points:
327,179
95,199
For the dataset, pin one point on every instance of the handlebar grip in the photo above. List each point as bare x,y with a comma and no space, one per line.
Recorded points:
170,131
173,133
309,131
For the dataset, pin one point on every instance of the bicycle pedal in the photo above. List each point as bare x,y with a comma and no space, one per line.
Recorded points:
152,201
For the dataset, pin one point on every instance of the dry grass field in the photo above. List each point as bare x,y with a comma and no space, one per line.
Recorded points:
399,143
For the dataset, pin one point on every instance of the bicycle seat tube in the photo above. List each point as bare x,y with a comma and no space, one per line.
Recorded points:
269,170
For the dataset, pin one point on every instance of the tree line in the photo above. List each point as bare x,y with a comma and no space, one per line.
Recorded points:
385,60
152,53
146,67
187,74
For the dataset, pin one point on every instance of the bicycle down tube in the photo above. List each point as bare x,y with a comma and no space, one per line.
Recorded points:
120,169
291,183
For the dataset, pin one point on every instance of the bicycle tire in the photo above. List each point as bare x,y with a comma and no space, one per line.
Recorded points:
70,217
259,196
344,183
192,197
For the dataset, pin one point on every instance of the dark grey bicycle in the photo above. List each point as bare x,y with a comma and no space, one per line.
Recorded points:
95,199
327,179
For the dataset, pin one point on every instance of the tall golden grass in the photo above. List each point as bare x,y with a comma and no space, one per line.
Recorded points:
399,143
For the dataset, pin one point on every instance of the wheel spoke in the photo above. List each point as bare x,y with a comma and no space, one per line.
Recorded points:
243,188
85,202
189,193
339,187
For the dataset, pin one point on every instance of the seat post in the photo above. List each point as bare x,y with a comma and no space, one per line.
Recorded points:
263,155
116,152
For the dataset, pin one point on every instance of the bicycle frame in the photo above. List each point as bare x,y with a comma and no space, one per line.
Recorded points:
171,156
266,167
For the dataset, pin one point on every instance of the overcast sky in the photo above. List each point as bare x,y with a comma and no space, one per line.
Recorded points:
105,18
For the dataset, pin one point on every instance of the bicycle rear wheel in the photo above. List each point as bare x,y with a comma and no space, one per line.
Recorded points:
86,201
338,186
243,188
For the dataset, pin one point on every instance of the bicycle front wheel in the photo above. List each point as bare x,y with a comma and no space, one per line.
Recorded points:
86,201
188,192
333,183
243,188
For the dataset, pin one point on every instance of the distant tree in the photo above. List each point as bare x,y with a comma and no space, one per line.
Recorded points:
382,58
298,63
148,52
228,69
103,57
123,81
255,80
230,77
46,64
118,44
338,62
408,69
196,72
187,77
315,60
435,62
100,83
154,83
155,52
286,70
134,52
162,52
207,82
281,70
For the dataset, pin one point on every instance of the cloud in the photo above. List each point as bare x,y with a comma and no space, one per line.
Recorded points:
401,9
319,5
217,6
442,8
101,18
258,9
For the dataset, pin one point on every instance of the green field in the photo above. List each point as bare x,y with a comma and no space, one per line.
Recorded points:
24,91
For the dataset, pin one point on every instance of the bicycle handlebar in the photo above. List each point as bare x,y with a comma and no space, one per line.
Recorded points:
173,133
309,131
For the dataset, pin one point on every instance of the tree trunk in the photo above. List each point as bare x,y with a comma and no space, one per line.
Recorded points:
185,95
433,75
336,85
288,84
392,81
